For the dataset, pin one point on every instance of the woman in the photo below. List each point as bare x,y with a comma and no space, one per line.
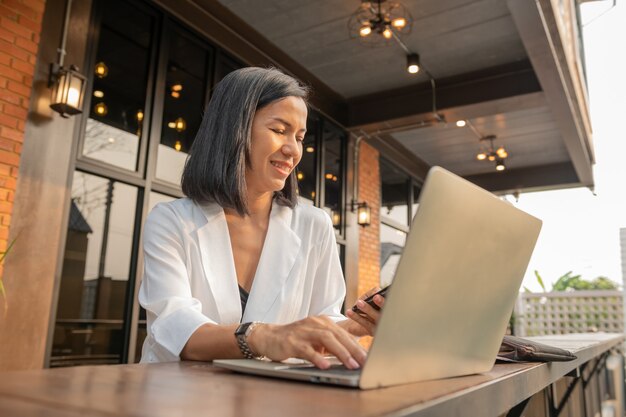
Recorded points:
240,232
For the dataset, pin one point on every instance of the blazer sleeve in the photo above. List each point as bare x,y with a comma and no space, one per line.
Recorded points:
165,290
330,288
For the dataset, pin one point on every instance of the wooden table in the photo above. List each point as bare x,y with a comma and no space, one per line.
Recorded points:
193,388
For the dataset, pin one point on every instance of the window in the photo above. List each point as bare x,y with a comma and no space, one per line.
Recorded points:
96,271
118,98
147,100
184,102
307,168
334,142
398,206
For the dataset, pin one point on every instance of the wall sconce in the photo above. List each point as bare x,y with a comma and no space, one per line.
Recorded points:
68,85
335,215
68,89
363,212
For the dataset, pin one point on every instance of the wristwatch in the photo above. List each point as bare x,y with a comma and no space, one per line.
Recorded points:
242,333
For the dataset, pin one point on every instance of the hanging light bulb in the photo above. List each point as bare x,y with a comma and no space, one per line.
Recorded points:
491,156
502,153
180,124
399,22
365,30
139,116
412,63
178,146
387,33
500,165
460,123
481,156
101,70
101,109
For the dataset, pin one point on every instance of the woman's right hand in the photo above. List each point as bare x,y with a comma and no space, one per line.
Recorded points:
309,339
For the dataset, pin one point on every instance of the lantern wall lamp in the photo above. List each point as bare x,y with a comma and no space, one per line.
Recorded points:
68,84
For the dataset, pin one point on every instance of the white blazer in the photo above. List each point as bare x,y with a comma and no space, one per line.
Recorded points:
189,273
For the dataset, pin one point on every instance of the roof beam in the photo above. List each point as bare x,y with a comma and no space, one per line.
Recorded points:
538,29
533,178
410,105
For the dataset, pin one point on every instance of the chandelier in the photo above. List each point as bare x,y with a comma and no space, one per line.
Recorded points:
492,154
487,152
376,22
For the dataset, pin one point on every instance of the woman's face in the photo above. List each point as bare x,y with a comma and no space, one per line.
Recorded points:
276,145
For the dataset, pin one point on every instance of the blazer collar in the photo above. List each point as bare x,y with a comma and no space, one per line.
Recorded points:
278,256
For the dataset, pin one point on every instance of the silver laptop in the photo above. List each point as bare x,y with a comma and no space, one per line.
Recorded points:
452,295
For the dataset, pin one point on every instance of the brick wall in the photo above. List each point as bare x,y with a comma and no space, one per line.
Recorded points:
369,237
20,27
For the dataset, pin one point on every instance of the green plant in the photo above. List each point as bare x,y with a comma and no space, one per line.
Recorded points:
2,256
568,281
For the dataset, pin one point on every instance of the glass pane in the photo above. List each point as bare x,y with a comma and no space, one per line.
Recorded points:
333,139
96,266
391,245
416,195
394,198
226,65
114,126
153,200
306,168
185,88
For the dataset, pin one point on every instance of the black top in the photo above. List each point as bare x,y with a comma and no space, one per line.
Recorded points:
243,296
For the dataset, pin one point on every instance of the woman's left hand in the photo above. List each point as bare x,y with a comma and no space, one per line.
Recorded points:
369,316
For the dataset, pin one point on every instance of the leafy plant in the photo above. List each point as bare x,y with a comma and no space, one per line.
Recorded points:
568,281
2,256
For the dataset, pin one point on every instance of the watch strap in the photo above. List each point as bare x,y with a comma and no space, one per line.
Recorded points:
242,333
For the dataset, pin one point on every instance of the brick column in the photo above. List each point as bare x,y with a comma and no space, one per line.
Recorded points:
369,237
20,27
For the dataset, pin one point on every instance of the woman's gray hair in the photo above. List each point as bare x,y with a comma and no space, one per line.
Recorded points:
216,166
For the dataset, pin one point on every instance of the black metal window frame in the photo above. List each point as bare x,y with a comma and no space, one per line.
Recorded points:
143,178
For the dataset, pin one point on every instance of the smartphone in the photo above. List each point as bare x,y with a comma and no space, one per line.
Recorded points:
370,300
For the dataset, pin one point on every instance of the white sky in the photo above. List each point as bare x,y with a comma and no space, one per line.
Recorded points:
581,231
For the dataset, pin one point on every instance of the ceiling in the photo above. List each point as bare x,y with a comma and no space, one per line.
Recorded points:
495,63
452,37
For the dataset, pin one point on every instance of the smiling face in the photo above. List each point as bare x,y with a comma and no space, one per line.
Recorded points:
276,145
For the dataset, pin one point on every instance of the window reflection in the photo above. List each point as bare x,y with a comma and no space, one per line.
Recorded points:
115,122
391,245
333,139
185,87
153,200
416,195
96,266
306,170
394,198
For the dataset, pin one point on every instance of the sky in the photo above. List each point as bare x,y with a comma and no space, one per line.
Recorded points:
581,229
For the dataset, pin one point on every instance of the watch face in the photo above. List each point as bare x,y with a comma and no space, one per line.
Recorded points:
241,330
